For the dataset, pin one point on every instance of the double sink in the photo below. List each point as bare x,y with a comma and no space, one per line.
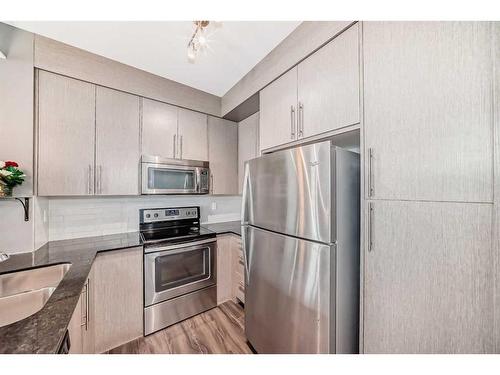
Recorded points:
23,293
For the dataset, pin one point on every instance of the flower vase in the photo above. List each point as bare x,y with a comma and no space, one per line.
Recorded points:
5,191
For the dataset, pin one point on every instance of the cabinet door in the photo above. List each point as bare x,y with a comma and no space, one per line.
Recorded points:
328,86
238,278
278,111
75,329
224,269
428,110
193,144
428,279
159,129
248,144
117,300
223,156
117,143
66,134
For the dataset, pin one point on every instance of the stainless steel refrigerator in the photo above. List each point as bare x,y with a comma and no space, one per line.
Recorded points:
300,217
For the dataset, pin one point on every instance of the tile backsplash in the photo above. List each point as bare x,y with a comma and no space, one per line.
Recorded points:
85,217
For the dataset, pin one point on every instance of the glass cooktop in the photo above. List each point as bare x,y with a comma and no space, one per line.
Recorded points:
175,234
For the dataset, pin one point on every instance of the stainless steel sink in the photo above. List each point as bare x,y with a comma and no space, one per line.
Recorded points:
24,293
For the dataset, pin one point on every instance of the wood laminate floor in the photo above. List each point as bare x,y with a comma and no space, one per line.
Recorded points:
216,331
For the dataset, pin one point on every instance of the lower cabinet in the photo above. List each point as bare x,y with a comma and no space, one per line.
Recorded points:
428,278
76,327
230,269
110,310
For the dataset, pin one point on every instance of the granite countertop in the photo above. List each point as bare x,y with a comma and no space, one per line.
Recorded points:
233,227
44,331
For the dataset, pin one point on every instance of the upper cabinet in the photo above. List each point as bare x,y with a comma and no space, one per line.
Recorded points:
159,129
66,135
117,143
278,111
248,144
428,113
173,132
328,86
318,96
223,156
88,138
193,144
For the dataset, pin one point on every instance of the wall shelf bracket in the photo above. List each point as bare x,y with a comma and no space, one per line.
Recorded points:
26,206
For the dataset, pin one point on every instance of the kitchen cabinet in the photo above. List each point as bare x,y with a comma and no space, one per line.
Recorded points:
428,114
173,132
278,111
230,269
319,95
117,143
238,280
80,332
248,144
192,133
328,86
117,298
223,156
159,129
428,278
224,269
66,135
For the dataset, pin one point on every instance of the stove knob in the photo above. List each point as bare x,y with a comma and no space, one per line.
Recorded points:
148,216
156,215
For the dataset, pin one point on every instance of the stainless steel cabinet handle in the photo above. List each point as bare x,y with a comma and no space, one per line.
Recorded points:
371,190
175,138
370,227
181,146
301,120
292,122
88,303
86,316
89,177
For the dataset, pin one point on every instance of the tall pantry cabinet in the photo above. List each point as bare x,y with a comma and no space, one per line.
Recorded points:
428,276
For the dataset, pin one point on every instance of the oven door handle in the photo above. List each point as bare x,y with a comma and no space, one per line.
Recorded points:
181,247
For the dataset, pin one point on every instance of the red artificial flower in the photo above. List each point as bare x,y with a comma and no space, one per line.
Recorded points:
11,164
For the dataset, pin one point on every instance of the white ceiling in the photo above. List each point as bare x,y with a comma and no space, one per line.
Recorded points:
161,47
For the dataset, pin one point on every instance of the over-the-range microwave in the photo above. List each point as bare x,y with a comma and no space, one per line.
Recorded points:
174,176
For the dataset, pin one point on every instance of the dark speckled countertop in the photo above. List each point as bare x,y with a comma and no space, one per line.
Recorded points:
233,227
43,331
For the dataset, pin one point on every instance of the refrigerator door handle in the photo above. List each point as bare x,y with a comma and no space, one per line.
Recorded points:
245,196
244,244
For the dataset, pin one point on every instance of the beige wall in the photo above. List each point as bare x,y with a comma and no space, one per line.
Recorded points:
16,133
67,60
303,41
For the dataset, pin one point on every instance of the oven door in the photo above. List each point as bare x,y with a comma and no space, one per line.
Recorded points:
171,271
169,179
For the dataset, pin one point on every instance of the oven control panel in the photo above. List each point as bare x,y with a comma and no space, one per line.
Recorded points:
152,215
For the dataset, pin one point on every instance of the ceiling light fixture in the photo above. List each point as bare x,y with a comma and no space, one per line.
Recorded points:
199,39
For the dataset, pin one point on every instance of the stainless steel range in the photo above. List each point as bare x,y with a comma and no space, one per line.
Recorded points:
179,266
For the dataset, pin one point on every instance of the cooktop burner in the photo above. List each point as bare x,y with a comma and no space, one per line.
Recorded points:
171,225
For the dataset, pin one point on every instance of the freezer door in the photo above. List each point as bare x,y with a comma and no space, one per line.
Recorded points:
287,293
290,192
